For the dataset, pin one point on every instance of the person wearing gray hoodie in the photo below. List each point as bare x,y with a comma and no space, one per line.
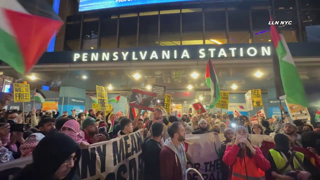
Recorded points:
173,161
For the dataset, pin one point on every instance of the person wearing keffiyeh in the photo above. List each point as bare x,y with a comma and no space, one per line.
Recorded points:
71,128
5,154
30,143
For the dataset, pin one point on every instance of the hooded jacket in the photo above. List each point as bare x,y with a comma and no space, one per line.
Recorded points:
170,167
51,152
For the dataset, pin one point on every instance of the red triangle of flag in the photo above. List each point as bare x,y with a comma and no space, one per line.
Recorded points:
33,34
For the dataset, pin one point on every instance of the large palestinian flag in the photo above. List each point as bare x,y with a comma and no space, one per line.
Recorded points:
292,84
26,27
39,96
114,100
213,83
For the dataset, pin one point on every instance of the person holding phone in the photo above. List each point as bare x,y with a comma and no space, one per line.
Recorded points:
247,161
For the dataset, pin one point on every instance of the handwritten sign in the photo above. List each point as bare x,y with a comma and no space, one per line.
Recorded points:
21,92
256,97
224,100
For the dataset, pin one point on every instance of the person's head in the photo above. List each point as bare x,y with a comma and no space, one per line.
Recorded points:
140,124
228,134
156,129
30,143
173,119
81,116
241,132
282,142
119,114
73,112
99,115
60,122
265,124
311,139
65,113
257,129
308,127
146,119
56,157
126,125
289,128
48,113
195,119
89,126
71,128
157,115
177,132
12,115
299,124
222,126
203,124
184,118
146,114
38,111
46,125
216,128
92,112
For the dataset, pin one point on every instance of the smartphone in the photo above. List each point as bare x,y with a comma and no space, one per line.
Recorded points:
17,127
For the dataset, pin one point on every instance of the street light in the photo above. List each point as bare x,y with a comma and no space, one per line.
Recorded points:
234,86
190,87
137,76
84,77
194,75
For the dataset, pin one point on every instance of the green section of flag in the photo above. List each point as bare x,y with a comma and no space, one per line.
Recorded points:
112,101
9,52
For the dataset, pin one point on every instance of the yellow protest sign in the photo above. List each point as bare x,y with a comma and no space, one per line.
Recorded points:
167,103
256,98
224,100
102,97
95,106
21,92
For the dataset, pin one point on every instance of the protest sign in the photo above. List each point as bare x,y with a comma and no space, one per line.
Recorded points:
167,103
49,105
143,99
223,103
160,91
21,92
236,113
261,113
95,106
256,95
102,97
199,108
248,98
298,112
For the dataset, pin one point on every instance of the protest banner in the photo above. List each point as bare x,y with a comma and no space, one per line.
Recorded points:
49,105
248,98
143,99
199,108
223,103
256,95
298,112
167,103
21,92
102,97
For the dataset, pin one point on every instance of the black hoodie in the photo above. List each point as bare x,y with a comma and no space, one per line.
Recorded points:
52,151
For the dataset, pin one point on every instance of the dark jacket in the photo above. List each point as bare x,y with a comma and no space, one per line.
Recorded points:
170,167
150,152
51,152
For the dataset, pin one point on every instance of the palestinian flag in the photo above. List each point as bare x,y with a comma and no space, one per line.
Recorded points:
94,99
236,113
292,84
26,28
317,118
114,100
213,83
39,96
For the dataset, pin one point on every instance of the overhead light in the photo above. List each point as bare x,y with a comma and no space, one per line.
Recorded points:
269,40
137,76
84,77
258,74
234,86
158,101
110,87
33,77
149,87
201,98
189,87
194,75
215,41
91,47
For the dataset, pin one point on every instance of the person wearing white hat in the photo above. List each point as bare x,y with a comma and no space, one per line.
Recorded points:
203,127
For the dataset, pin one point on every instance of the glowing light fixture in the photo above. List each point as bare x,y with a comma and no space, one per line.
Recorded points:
91,47
258,74
110,87
194,75
158,101
215,41
137,76
148,87
190,87
84,77
234,86
201,98
33,77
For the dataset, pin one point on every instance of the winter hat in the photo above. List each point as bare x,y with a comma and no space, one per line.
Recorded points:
241,128
87,122
51,152
45,120
30,143
226,130
173,119
202,121
292,124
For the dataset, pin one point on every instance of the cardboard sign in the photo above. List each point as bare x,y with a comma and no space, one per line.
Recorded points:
49,105
167,103
102,97
256,95
199,108
143,99
223,103
21,92
298,112
248,98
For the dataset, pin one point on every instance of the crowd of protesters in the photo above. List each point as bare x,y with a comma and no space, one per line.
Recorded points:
289,150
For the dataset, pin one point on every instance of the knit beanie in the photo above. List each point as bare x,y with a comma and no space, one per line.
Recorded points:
87,122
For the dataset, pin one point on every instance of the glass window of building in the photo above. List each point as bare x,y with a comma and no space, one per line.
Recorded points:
72,34
148,28
239,26
128,30
215,23
261,29
310,4
192,26
170,27
90,33
288,31
311,17
108,32
284,4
